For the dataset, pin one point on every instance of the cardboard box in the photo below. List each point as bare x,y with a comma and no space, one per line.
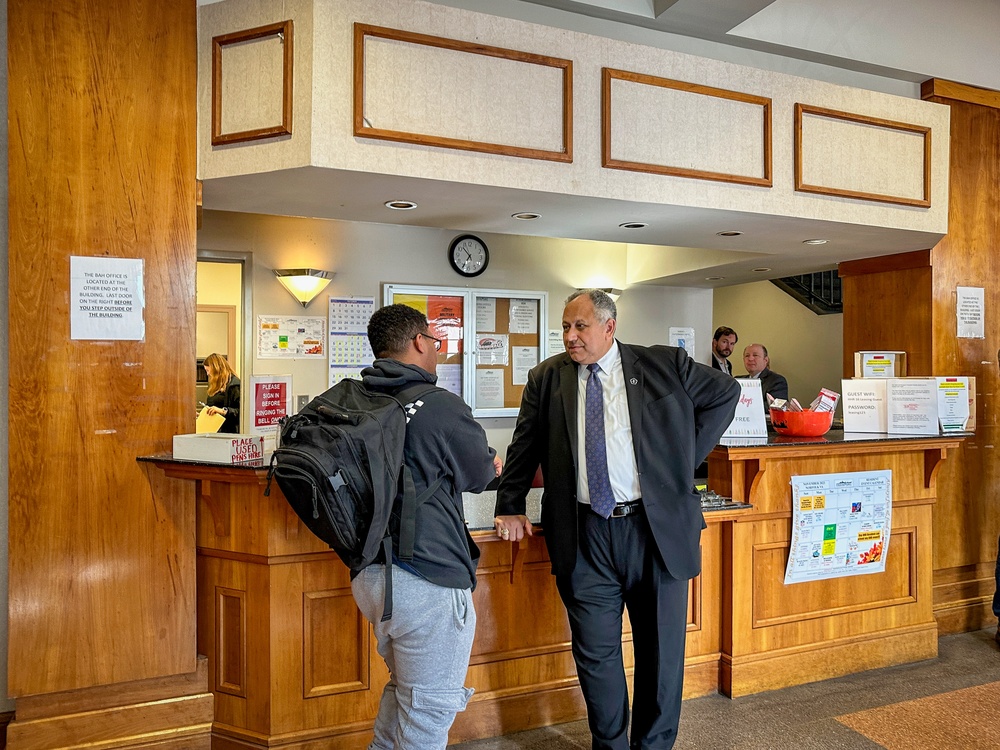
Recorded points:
928,406
880,364
221,448
864,404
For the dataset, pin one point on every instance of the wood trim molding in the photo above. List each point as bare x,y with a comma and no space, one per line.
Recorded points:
937,88
885,264
610,74
231,646
282,30
807,109
361,129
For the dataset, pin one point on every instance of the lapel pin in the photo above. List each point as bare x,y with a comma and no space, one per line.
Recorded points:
634,381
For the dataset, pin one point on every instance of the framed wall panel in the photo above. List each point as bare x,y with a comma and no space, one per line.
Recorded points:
256,84
669,127
835,153
433,91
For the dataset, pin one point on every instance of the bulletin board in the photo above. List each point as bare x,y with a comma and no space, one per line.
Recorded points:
490,339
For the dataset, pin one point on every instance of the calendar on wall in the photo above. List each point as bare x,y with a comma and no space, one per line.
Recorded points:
350,351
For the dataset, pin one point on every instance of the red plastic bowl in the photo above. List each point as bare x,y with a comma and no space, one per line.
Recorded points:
801,423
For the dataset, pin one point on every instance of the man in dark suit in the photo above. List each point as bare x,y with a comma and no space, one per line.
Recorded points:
756,361
722,346
618,430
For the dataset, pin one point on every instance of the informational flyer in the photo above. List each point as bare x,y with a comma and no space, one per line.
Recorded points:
969,304
840,525
524,358
556,343
272,400
283,337
450,378
523,316
107,298
489,388
493,349
486,314
683,338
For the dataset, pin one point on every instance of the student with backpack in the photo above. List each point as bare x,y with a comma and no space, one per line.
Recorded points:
428,640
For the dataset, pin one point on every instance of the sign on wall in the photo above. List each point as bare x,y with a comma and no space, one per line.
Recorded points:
107,299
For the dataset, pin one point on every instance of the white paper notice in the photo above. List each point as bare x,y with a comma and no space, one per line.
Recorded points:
492,350
107,298
683,338
913,406
486,314
450,378
556,344
489,388
523,316
840,525
969,307
525,357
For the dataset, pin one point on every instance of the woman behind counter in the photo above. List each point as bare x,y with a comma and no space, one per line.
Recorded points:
223,392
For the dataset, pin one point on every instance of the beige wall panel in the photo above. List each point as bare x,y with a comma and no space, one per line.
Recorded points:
334,145
862,158
252,84
416,88
667,127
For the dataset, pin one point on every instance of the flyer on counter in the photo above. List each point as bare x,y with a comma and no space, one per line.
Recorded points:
841,525
272,400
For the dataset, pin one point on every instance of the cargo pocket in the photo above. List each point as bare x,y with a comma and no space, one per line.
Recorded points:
450,701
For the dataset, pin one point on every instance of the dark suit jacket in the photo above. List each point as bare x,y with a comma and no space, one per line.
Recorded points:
728,369
678,409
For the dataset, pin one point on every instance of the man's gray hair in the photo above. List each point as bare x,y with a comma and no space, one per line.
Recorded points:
604,306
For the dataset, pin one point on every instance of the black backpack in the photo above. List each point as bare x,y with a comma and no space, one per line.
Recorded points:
340,465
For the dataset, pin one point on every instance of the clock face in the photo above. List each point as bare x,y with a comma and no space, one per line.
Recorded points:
468,255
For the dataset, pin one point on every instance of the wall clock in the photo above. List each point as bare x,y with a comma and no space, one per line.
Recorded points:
468,255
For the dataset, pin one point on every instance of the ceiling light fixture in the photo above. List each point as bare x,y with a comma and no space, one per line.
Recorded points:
400,205
303,283
714,278
633,225
525,216
760,270
814,242
730,233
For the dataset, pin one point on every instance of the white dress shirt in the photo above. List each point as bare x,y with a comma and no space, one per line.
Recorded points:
622,469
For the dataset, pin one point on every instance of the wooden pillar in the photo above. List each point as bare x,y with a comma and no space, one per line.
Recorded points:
908,302
102,163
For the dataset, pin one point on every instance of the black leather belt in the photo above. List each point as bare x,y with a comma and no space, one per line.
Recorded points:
626,509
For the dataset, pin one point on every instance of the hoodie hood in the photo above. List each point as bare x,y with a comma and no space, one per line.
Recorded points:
391,374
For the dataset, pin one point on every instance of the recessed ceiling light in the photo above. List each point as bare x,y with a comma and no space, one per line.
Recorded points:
730,233
525,216
714,278
760,270
814,242
633,225
400,205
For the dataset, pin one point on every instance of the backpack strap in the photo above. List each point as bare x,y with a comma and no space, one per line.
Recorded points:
408,507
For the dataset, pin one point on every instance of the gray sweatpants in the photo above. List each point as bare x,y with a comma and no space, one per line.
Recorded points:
426,646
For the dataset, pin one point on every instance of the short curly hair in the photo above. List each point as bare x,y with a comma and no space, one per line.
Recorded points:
392,327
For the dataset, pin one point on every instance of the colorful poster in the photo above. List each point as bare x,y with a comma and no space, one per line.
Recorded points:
282,337
840,525
447,322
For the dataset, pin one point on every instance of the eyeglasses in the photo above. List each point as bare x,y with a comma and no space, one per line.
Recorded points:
437,342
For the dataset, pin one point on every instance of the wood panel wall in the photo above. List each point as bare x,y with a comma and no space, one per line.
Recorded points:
102,162
908,302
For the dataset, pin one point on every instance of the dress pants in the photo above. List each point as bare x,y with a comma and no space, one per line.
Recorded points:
619,566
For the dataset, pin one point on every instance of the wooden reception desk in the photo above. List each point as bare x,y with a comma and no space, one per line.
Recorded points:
293,663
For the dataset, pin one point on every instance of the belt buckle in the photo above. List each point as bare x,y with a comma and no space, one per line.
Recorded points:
621,510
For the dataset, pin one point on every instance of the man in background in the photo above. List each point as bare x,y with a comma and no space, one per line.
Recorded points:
722,346
428,640
618,430
756,362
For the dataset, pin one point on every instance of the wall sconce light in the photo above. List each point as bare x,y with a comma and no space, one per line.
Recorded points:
303,283
610,291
